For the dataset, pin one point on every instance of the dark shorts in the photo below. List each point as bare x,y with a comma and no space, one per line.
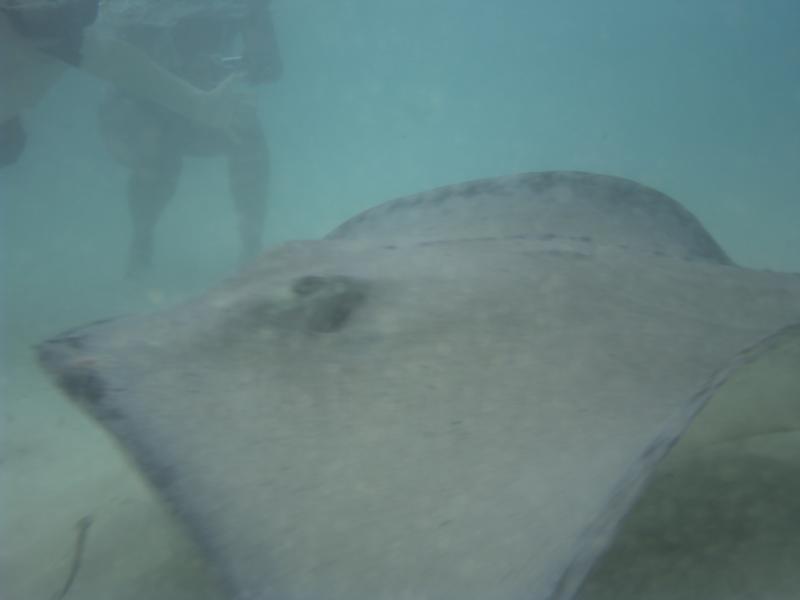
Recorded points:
138,132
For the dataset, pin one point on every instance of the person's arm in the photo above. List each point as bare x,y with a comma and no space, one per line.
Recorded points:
124,65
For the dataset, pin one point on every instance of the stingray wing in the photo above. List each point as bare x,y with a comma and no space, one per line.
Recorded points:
464,419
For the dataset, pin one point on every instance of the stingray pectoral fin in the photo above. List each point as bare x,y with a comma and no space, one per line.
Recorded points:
761,398
75,371
717,514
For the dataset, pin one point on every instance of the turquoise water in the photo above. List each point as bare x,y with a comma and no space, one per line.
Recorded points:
385,98
382,98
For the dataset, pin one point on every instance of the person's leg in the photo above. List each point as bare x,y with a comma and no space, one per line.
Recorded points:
248,170
151,185
140,137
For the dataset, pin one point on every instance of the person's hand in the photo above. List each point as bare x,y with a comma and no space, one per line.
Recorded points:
228,107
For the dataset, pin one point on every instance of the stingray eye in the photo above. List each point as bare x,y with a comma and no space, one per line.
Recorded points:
309,284
326,302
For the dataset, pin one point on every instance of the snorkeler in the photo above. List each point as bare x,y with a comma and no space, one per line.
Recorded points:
203,42
39,39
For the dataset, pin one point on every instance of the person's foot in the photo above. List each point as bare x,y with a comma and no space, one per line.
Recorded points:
248,255
250,249
140,259
136,269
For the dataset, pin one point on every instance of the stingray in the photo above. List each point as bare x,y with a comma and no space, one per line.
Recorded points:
457,394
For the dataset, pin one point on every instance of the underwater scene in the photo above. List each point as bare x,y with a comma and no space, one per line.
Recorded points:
399,300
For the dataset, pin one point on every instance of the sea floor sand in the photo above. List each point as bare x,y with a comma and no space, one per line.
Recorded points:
57,467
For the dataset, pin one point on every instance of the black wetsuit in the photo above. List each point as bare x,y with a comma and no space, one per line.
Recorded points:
58,31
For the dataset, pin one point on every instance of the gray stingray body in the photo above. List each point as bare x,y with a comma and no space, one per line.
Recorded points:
455,395
584,206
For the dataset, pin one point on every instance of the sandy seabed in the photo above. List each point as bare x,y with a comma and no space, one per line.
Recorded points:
57,467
